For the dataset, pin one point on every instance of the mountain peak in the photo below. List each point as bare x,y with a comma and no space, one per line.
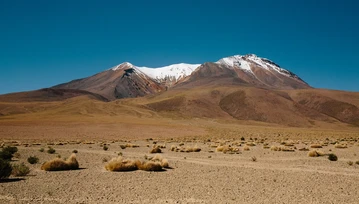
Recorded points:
122,65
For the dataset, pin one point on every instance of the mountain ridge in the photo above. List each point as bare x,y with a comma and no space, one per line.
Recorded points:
127,80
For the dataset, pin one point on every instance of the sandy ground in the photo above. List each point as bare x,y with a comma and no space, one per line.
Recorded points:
197,177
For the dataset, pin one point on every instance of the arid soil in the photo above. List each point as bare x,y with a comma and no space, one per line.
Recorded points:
256,176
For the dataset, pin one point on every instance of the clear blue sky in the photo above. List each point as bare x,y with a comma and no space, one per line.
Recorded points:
44,43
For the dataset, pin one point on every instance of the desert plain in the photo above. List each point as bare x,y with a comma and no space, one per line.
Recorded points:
248,171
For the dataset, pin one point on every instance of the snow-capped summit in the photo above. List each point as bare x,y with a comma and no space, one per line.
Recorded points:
122,65
250,61
173,73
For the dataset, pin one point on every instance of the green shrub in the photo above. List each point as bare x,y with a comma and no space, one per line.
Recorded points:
51,150
5,169
20,170
332,157
33,160
41,149
7,153
75,151
12,150
105,148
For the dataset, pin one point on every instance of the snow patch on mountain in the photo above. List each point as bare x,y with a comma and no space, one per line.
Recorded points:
236,61
174,71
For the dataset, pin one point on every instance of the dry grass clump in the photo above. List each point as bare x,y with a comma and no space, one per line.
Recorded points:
150,166
58,164
282,148
157,163
121,164
303,149
132,145
315,153
173,148
192,149
221,148
251,144
163,161
275,148
185,149
156,149
288,143
287,149
246,148
341,145
162,146
230,150
316,146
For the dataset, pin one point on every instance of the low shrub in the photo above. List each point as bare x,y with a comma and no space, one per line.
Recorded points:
7,153
105,147
41,149
332,157
75,151
33,159
51,150
5,169
20,170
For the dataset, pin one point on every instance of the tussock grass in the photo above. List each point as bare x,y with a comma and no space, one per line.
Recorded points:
157,163
58,164
163,161
221,148
246,148
341,145
315,153
155,149
230,150
192,149
251,144
150,166
275,148
303,149
282,148
316,146
173,148
121,164
132,145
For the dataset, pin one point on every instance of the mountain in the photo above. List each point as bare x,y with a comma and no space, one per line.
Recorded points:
236,88
122,81
127,81
248,70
